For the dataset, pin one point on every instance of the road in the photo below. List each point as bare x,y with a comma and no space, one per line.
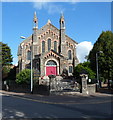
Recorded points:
22,107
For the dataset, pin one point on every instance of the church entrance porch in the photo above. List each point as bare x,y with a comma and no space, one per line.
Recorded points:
51,68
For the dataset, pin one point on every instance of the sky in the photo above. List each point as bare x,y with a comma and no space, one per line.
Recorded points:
85,21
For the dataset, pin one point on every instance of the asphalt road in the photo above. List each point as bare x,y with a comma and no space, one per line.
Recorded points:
21,107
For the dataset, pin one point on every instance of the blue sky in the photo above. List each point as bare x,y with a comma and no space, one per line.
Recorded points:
84,20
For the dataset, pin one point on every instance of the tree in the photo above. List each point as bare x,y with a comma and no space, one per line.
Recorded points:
105,59
84,67
6,54
23,77
12,74
5,59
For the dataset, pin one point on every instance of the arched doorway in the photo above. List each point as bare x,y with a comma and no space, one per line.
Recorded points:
51,68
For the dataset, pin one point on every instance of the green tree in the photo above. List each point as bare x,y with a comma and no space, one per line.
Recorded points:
6,54
12,74
23,77
84,67
5,72
105,59
5,59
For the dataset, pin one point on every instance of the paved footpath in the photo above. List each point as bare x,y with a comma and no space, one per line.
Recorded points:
77,98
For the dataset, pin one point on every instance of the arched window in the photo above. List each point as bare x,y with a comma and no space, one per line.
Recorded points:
49,44
43,46
55,46
70,69
72,46
69,55
67,43
28,55
51,63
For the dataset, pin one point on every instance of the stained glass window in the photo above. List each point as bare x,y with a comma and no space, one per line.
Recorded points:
51,62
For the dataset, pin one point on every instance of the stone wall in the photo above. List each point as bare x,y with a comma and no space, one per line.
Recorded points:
37,89
91,88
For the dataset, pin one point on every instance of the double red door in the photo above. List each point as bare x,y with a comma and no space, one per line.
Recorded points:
51,70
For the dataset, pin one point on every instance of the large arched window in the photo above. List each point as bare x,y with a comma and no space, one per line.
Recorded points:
28,55
43,46
69,55
49,44
55,46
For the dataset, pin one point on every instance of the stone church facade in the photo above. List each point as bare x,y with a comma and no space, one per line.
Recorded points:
52,50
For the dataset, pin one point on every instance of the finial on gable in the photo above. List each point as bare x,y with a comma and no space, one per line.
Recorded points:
62,21
49,21
35,20
62,14
35,17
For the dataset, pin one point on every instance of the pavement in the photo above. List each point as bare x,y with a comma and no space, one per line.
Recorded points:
77,98
27,105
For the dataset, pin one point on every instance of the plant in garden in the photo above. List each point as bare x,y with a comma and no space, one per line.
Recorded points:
23,77
84,67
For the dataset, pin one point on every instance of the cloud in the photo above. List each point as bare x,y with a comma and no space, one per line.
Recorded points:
83,50
40,5
15,61
50,7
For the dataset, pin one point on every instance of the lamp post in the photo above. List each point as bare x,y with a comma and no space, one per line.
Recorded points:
22,37
32,65
97,68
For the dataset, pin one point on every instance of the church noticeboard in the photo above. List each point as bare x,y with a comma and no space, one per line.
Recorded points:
36,75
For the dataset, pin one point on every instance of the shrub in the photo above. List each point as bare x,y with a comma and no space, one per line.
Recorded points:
23,77
84,67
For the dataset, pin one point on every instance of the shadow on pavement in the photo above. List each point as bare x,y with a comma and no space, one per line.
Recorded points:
105,90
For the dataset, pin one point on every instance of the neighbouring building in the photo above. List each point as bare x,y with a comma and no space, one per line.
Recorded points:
52,50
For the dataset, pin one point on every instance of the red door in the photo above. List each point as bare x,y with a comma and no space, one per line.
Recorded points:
51,70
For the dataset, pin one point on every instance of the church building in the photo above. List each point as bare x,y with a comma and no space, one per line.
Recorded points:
52,51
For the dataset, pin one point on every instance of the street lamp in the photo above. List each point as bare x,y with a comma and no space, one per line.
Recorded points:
22,37
98,67
32,65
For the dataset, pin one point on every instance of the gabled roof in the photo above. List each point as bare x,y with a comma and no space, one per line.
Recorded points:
41,30
27,39
57,30
71,39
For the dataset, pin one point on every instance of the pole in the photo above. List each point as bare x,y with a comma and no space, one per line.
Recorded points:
32,65
97,69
